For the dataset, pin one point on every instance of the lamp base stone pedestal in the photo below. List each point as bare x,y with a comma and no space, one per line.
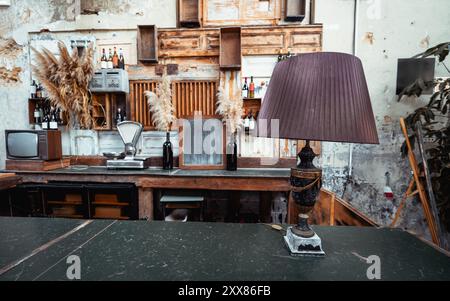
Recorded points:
300,246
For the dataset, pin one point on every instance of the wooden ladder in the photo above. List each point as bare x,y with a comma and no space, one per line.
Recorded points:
433,221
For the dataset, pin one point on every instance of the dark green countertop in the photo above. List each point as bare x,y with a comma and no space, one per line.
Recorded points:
240,173
113,250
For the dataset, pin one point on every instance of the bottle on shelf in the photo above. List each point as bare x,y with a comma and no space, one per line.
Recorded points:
104,60
252,122
247,124
33,89
115,59
45,122
252,88
37,114
110,60
53,125
119,117
121,59
245,89
39,91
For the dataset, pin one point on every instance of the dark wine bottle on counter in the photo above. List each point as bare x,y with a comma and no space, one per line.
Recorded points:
167,153
232,154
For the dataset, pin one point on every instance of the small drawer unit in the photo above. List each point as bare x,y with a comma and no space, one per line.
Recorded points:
110,81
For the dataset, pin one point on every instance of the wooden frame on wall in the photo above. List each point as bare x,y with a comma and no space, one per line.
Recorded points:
187,162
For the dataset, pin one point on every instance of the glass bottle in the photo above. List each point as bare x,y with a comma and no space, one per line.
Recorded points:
167,153
232,154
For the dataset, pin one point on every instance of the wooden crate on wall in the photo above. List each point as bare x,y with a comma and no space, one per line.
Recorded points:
230,48
147,43
189,13
188,97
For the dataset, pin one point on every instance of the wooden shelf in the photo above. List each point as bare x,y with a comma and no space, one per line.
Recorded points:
32,102
189,13
64,203
112,217
295,10
78,216
111,204
230,48
147,43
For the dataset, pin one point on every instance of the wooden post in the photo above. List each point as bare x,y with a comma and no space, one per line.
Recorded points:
146,211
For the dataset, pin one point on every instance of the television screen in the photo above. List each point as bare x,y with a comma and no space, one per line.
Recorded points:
409,70
22,144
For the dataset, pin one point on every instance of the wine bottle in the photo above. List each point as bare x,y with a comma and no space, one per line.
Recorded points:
37,114
45,122
247,124
110,60
252,123
39,91
245,89
167,153
252,88
121,60
232,154
53,121
119,116
33,89
104,60
115,59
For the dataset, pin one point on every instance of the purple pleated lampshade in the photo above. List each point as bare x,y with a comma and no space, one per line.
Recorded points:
321,97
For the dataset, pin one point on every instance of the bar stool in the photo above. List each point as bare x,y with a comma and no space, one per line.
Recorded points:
194,204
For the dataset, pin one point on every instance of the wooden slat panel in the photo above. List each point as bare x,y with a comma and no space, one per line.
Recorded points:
188,97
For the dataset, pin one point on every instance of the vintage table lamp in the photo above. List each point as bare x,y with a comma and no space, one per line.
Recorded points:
316,97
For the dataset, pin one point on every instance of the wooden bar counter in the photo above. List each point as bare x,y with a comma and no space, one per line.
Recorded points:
262,180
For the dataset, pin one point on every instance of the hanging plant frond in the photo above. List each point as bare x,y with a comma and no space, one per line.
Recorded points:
231,109
66,79
161,106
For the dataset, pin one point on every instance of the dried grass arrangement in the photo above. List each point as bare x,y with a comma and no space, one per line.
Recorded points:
231,109
66,80
161,105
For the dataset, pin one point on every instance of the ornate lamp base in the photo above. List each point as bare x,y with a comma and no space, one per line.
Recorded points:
301,246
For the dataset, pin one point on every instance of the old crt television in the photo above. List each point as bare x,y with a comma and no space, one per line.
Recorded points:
33,145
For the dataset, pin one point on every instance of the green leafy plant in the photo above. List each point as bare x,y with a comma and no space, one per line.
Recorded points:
438,155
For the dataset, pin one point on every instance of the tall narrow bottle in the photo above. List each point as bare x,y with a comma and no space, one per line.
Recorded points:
110,60
232,154
104,60
167,153
245,89
252,88
115,59
121,60
53,125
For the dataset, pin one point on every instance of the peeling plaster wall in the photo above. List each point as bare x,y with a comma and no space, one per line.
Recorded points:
387,30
